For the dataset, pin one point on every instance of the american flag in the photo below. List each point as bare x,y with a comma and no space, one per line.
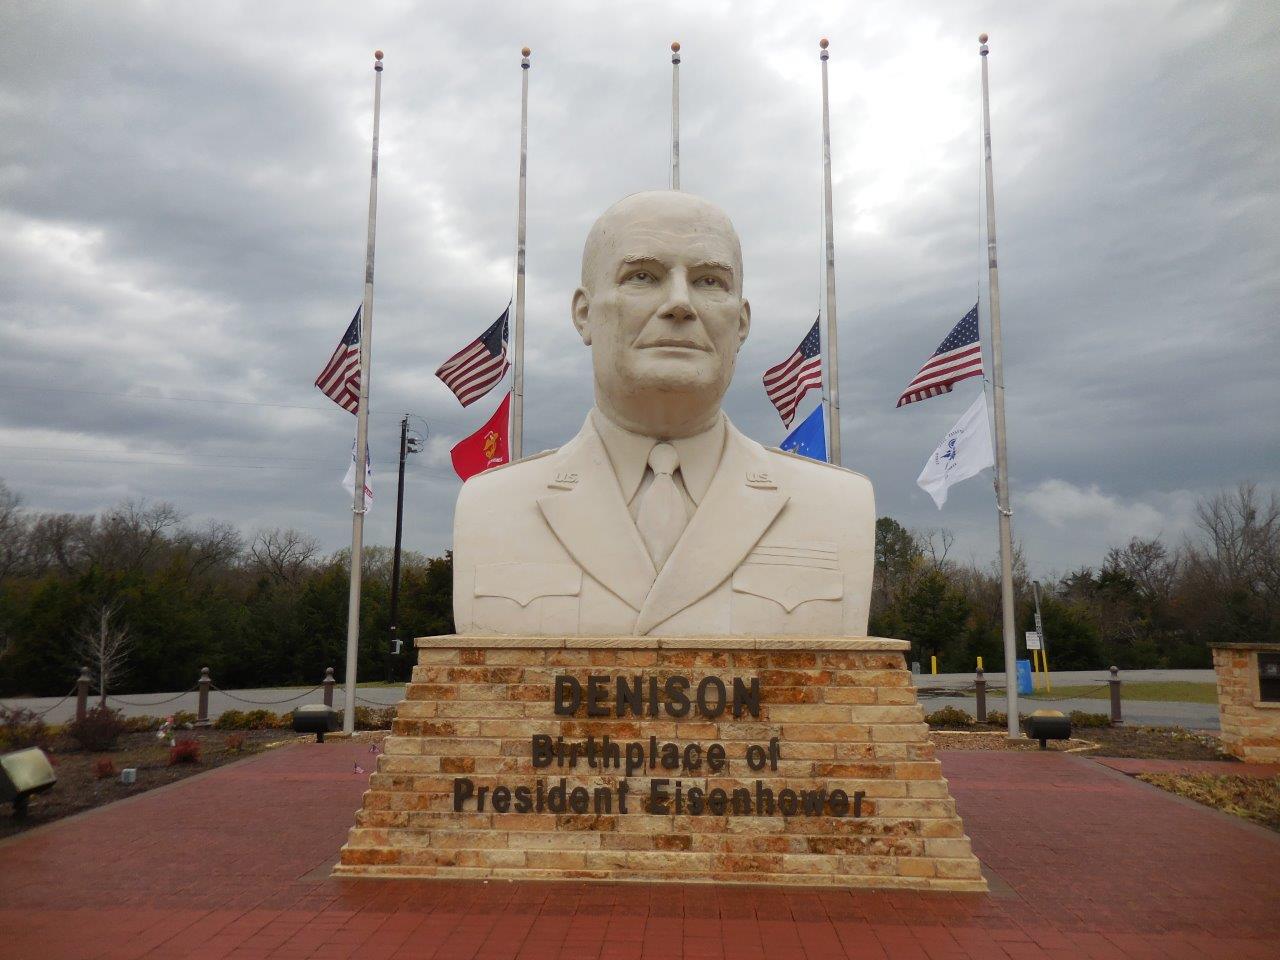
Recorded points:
795,376
957,358
340,379
475,369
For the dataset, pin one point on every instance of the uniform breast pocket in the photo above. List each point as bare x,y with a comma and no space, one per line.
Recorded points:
787,600
528,598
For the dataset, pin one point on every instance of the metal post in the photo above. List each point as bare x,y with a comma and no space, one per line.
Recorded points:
675,115
202,711
517,333
328,686
1114,682
997,389
83,683
362,417
980,691
833,350
395,561
1044,644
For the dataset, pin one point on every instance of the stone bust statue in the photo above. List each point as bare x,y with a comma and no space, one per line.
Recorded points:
659,517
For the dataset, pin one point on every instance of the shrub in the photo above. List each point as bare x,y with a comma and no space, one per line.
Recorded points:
231,720
100,729
997,718
21,728
104,768
183,719
368,718
142,724
235,742
949,718
184,751
1081,719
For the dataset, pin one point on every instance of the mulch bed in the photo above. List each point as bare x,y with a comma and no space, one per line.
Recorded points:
1254,798
1164,743
79,788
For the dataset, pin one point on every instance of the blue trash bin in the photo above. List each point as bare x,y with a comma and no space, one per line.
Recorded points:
1024,677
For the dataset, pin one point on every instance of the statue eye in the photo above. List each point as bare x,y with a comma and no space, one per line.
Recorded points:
712,281
640,276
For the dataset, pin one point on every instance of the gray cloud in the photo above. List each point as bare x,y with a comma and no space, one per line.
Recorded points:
182,215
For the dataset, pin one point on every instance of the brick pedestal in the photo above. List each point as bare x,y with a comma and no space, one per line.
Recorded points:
1250,724
836,719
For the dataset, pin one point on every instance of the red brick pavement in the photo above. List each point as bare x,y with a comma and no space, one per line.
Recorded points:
1084,862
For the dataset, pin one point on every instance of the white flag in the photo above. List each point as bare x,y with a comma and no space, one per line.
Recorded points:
963,453
349,481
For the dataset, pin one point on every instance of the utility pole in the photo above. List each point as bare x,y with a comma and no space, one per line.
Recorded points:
408,445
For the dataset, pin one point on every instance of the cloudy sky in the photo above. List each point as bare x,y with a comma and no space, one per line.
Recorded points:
183,193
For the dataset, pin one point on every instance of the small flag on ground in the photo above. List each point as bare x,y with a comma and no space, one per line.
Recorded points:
340,379
475,369
963,453
957,358
810,438
487,447
795,376
349,481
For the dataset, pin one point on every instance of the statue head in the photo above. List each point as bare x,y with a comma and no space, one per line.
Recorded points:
661,308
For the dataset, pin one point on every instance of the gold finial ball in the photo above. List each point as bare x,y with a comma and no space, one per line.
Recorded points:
824,43
982,38
525,51
377,54
675,46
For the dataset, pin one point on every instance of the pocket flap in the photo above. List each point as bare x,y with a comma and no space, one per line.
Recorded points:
789,586
525,582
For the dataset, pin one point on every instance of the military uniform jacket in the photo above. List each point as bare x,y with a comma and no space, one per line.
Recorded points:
779,545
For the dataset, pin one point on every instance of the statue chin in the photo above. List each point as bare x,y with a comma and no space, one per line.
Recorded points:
700,377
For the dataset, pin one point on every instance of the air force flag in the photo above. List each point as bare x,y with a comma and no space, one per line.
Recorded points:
810,438
964,452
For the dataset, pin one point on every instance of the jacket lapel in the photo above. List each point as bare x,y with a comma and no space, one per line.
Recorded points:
584,508
738,508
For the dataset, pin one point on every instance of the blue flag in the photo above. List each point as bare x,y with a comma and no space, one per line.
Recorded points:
810,438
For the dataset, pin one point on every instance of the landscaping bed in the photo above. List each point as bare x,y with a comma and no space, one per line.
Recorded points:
84,781
1254,798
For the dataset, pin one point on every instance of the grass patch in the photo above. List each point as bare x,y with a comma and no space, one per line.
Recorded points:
1254,798
1168,691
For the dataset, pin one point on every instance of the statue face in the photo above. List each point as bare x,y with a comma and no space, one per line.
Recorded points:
661,303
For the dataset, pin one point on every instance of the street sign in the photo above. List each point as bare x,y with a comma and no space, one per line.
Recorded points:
1033,640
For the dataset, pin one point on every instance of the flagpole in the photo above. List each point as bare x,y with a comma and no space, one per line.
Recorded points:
997,390
675,115
517,334
362,421
833,353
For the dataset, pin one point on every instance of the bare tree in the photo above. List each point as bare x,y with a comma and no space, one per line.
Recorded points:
13,532
284,556
104,646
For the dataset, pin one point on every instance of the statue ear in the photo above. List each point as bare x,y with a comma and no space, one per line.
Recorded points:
744,323
580,307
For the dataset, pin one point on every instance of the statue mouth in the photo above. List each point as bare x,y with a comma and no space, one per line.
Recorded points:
677,343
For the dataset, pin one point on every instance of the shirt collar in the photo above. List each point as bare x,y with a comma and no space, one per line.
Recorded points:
629,454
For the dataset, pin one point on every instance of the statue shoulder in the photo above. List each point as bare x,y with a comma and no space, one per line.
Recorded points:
831,472
504,479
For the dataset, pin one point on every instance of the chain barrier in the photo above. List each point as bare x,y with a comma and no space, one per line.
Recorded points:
232,696
152,703
374,703
41,713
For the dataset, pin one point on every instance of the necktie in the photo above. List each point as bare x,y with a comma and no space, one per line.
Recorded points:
662,518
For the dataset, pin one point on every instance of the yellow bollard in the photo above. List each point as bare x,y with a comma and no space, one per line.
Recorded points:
933,660
979,663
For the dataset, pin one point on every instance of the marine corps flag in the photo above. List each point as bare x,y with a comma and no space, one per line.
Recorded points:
487,447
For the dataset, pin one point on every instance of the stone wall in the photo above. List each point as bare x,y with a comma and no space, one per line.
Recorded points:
841,715
1250,728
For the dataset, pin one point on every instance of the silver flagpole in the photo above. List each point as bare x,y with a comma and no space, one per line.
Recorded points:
997,390
362,421
517,333
833,352
675,115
